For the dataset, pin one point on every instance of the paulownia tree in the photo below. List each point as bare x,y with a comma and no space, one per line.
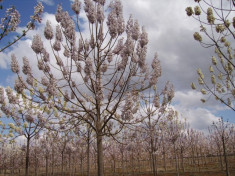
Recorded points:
220,133
217,23
96,78
155,107
27,118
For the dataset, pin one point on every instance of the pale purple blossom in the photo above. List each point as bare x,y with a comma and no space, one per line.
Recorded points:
66,52
44,81
11,21
112,24
59,13
119,46
156,66
120,25
100,13
141,52
26,69
41,119
30,80
90,11
135,30
40,65
48,32
129,25
14,64
59,61
69,27
58,34
128,48
51,88
46,68
92,42
56,46
38,9
76,6
116,6
46,56
143,38
11,97
127,109
29,117
19,85
37,44
88,66
156,101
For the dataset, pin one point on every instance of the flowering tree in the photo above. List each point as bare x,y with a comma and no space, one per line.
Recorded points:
220,133
154,108
28,118
217,30
9,23
97,81
175,128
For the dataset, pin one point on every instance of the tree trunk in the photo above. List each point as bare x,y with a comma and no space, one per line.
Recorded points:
53,160
62,166
46,165
176,161
88,155
100,159
225,157
27,158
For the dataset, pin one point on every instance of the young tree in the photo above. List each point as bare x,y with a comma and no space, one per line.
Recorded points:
154,109
217,23
28,118
97,81
221,131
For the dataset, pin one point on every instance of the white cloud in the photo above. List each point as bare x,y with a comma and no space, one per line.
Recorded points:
48,2
200,116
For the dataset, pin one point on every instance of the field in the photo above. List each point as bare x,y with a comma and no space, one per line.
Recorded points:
212,167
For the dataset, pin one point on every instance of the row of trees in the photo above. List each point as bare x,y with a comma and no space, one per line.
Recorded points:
175,147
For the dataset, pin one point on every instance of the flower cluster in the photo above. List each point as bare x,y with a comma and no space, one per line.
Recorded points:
14,64
67,24
210,16
37,44
48,32
11,21
115,19
38,10
76,6
197,36
157,71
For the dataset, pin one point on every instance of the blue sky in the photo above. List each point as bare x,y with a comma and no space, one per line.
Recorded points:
170,34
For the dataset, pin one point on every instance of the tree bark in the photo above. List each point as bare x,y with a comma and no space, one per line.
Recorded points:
100,159
176,162
27,158
225,156
88,155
